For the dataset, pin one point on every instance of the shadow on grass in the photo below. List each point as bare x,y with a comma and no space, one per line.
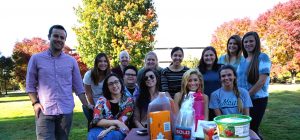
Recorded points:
24,128
14,94
15,101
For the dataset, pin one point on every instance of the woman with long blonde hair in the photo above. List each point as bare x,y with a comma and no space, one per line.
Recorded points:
192,82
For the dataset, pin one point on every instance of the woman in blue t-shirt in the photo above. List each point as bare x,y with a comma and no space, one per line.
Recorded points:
234,52
253,75
230,99
209,67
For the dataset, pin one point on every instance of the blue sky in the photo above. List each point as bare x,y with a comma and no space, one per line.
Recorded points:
185,23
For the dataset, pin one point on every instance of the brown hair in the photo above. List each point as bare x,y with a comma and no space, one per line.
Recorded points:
253,74
235,87
95,72
238,54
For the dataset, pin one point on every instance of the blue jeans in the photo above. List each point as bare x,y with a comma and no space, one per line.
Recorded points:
112,135
51,127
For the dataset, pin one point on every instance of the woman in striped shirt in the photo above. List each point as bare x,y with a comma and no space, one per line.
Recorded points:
171,76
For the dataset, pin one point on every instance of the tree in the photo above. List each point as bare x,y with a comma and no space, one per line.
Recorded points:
6,71
24,50
227,29
21,54
83,67
111,26
279,28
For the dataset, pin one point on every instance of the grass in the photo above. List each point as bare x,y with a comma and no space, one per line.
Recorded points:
281,121
17,119
282,118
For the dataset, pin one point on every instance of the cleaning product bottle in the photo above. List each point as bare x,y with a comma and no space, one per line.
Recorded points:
198,106
160,117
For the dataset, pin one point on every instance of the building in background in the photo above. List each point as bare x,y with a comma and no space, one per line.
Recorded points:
164,54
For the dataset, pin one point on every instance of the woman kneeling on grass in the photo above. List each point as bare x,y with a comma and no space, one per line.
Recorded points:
112,111
229,99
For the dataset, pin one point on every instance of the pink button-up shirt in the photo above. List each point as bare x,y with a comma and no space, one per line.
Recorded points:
53,79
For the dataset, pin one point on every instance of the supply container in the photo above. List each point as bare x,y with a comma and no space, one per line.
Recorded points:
209,130
199,114
233,127
185,120
160,118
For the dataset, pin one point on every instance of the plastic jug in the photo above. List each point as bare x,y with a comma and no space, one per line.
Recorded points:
185,120
199,116
161,116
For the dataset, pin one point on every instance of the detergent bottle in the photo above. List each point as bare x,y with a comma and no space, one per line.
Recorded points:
199,116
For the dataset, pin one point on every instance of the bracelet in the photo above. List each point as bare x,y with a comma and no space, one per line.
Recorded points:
37,101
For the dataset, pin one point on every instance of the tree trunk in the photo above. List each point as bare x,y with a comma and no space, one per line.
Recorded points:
293,76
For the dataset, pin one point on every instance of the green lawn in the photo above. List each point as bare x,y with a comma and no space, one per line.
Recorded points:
281,121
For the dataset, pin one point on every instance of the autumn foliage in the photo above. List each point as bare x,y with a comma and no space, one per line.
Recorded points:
280,29
111,26
25,49
227,29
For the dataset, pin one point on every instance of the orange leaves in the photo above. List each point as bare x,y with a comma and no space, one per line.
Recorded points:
227,29
150,13
32,46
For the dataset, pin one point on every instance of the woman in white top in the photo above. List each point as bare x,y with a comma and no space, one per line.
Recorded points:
93,79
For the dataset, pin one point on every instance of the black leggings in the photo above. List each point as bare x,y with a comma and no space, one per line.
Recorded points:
257,112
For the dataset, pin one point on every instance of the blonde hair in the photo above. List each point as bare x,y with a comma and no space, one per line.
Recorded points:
185,79
147,55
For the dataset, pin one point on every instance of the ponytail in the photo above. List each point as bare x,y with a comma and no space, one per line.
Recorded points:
237,94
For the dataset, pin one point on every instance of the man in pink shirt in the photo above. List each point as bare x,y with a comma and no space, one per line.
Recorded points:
51,77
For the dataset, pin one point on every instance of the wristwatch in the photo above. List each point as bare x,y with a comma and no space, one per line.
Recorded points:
37,101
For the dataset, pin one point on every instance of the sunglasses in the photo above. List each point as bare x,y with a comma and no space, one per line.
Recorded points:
149,77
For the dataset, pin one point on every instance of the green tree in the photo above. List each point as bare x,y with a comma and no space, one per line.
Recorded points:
111,26
6,72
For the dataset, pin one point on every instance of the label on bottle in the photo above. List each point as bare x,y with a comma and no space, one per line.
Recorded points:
183,132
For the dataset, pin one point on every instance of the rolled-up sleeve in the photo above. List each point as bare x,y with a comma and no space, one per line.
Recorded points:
264,64
31,75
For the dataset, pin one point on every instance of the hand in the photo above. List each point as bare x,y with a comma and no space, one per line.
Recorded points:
90,106
123,128
37,108
103,134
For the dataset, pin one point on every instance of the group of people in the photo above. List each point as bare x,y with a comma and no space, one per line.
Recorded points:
116,100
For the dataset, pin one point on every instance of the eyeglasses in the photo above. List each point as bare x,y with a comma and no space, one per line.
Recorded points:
114,83
149,77
129,74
